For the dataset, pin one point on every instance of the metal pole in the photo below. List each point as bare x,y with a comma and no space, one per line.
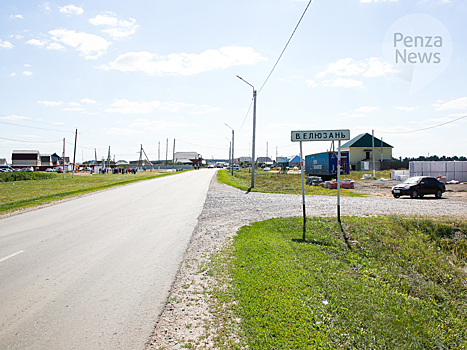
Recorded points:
230,152
339,182
173,157
253,160
63,158
302,165
74,155
373,151
166,150
233,136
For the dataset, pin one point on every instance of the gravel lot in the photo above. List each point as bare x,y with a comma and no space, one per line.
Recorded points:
186,316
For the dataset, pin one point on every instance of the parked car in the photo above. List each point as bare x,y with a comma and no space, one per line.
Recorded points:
49,170
5,169
267,168
419,186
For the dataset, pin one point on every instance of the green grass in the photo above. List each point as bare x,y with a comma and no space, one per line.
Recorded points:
15,195
271,182
386,283
24,176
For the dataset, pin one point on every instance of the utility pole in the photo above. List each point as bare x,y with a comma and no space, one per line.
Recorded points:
267,150
253,160
108,158
173,157
74,155
140,158
63,158
373,151
232,151
166,150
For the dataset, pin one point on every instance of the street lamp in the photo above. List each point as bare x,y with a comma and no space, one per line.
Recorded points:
230,150
253,161
232,146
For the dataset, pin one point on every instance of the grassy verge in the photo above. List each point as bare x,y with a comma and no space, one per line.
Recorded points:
271,182
386,283
15,195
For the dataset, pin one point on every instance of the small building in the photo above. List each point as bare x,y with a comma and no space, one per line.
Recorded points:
360,150
46,160
265,160
191,158
293,161
246,160
21,159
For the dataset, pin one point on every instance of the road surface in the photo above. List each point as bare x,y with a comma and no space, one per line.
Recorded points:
95,272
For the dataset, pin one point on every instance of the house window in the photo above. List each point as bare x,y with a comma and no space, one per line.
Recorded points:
367,155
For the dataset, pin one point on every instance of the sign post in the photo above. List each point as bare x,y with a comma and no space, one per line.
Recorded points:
320,135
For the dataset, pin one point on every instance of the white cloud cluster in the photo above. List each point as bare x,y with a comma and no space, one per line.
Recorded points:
6,45
460,103
183,63
50,103
114,27
88,100
72,10
48,44
16,16
369,68
14,117
125,106
91,46
26,72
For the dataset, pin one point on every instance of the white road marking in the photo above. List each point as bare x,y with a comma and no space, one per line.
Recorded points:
12,255
134,200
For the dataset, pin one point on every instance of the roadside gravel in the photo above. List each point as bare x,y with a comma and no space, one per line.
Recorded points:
186,321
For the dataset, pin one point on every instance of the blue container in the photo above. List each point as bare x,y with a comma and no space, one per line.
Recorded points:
325,164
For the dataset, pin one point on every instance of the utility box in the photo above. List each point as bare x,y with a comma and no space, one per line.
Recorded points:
325,164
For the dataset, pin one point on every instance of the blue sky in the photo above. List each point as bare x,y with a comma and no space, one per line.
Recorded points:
129,73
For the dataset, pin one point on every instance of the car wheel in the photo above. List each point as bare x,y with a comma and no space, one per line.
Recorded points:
396,196
439,194
414,194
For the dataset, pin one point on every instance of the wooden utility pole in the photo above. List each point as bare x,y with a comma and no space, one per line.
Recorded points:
74,155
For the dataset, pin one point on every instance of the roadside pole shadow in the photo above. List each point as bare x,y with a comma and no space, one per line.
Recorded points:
346,239
249,190
314,241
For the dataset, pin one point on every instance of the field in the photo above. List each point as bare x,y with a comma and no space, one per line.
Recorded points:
379,283
31,191
273,182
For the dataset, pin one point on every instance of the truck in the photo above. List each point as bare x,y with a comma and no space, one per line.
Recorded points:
325,164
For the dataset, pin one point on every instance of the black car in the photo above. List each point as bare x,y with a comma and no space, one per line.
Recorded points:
419,186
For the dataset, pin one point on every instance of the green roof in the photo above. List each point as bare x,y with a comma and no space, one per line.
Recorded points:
364,141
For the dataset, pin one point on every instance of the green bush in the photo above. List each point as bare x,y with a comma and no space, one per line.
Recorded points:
23,176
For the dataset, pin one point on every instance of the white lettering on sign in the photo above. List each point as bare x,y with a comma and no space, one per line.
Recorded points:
320,135
318,167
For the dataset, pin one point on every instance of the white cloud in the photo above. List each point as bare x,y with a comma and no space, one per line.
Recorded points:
27,65
366,109
55,46
114,27
91,46
12,74
128,107
378,0
123,131
50,103
311,83
74,109
159,125
14,117
46,7
184,64
341,82
36,42
18,36
26,72
88,100
369,68
16,16
6,45
408,109
460,103
71,9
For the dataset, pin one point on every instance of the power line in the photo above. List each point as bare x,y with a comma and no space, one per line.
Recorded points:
246,115
4,138
272,70
429,127
34,127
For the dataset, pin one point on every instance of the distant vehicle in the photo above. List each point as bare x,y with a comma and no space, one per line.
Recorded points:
28,169
210,166
49,170
325,164
267,168
5,168
419,186
59,169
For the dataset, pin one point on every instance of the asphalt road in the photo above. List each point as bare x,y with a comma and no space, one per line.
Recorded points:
95,272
